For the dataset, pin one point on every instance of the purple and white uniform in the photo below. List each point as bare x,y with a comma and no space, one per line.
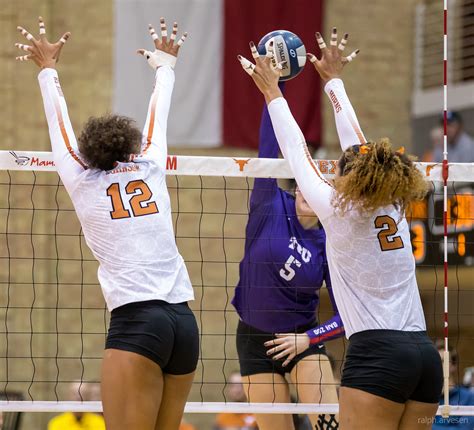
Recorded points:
284,265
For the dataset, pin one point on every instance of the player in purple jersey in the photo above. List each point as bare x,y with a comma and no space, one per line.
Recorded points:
282,271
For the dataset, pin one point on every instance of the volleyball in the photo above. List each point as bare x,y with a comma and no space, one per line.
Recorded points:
288,47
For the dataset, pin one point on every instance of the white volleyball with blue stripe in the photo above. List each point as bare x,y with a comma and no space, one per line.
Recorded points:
288,47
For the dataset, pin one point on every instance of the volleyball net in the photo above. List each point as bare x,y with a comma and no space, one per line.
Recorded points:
53,319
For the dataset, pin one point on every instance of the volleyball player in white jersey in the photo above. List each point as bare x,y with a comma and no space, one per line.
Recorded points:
392,377
116,180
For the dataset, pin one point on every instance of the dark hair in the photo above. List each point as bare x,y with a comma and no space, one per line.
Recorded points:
374,176
108,139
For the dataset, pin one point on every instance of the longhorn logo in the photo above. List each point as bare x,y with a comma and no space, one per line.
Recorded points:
241,163
21,160
429,168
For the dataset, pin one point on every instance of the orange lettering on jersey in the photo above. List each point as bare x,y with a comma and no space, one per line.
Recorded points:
332,169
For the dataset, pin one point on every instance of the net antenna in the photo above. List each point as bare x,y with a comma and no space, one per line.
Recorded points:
446,407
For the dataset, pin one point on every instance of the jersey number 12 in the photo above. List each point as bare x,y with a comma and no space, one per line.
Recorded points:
139,203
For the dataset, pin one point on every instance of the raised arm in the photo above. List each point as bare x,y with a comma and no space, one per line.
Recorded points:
163,60
264,189
316,190
329,68
46,55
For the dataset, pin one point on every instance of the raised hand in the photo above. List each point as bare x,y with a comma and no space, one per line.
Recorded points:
166,51
43,53
265,72
332,60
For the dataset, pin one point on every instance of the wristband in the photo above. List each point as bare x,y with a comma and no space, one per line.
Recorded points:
159,58
329,330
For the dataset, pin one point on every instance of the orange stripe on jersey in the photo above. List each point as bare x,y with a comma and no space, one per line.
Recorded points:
64,134
313,165
357,131
151,126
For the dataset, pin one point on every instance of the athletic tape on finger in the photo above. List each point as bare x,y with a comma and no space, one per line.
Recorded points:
23,47
42,28
334,37
25,33
183,38
247,65
255,53
174,32
153,34
343,43
23,58
164,31
352,56
321,43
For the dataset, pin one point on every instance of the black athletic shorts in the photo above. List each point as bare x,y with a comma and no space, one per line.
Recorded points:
396,365
165,333
253,356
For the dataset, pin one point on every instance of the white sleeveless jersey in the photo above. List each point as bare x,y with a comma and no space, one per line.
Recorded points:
125,213
370,258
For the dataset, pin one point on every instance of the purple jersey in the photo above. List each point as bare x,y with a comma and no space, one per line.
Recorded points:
284,265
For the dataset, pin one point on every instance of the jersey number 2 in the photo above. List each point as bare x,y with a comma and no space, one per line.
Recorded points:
387,240
139,203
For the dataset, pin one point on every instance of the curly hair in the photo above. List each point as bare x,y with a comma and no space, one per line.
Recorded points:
108,139
376,177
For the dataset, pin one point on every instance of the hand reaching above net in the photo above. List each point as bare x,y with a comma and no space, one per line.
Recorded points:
166,51
41,51
265,72
332,60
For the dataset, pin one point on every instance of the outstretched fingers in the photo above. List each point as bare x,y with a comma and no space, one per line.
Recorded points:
23,57
63,39
333,38
26,33
247,65
343,43
182,39
27,48
321,42
42,28
153,34
351,57
174,32
164,31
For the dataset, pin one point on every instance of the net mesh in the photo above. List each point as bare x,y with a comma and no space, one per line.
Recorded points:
53,319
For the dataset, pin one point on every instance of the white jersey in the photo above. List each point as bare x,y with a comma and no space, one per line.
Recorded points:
125,213
370,258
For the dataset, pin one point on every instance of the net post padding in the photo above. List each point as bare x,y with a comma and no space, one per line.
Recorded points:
204,408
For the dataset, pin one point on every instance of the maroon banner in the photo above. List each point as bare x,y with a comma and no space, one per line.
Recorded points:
247,20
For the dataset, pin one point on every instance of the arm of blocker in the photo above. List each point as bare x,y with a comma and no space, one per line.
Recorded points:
63,141
331,329
347,125
316,190
154,132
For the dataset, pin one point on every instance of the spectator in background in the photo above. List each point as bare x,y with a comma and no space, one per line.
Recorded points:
458,395
460,144
468,378
436,144
80,420
234,392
